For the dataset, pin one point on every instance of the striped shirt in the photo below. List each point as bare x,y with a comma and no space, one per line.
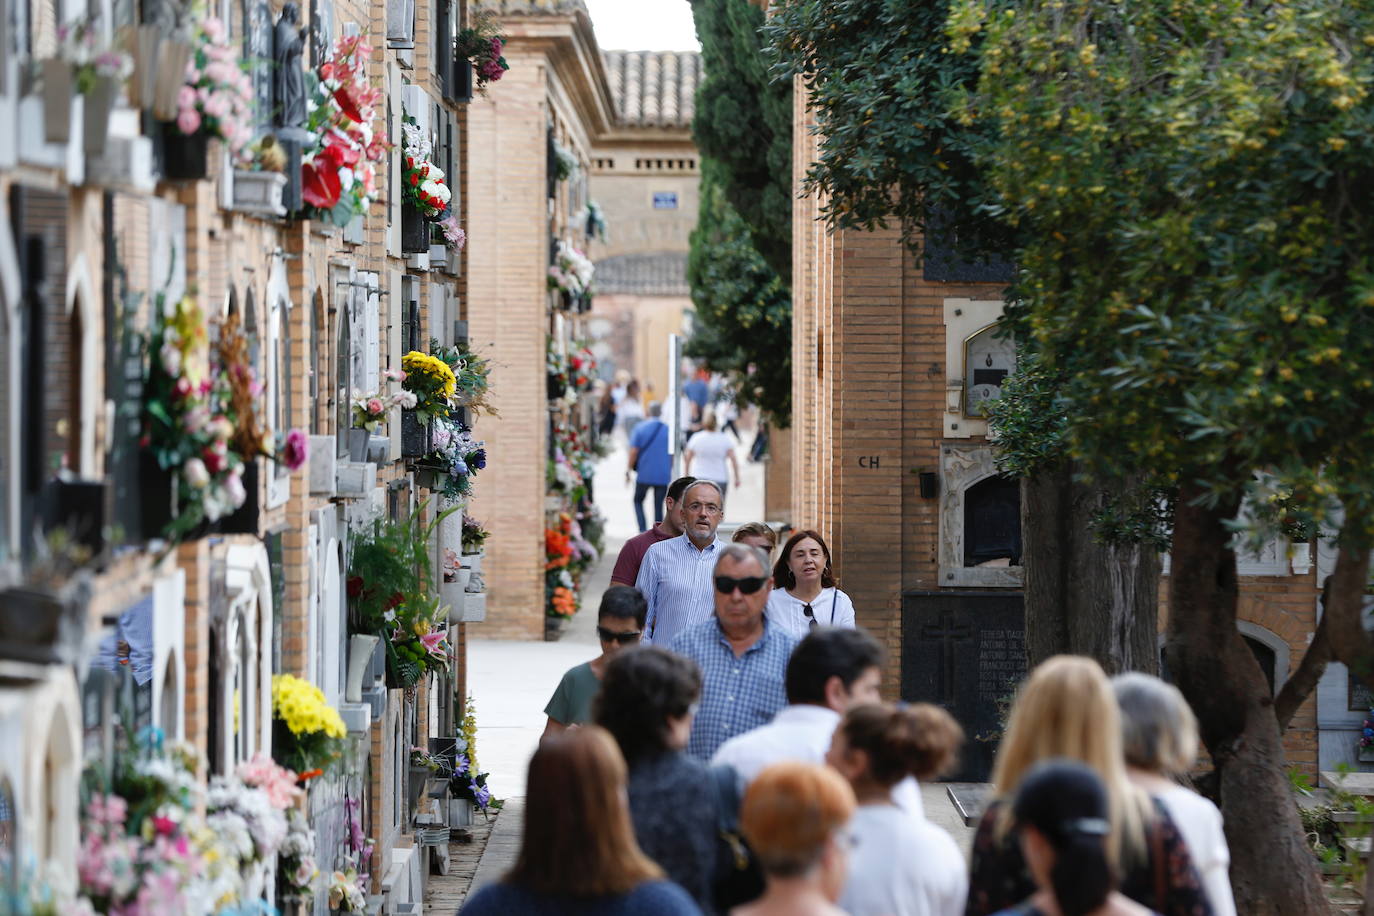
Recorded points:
738,692
675,578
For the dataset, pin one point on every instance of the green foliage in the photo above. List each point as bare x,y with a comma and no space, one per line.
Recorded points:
878,75
1190,183
743,121
743,308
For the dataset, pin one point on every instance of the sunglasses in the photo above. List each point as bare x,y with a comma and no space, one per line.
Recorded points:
811,616
748,585
612,636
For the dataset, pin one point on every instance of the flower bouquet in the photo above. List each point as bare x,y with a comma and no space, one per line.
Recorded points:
456,457
307,733
370,408
468,782
571,274
482,46
297,870
339,174
432,382
347,891
417,643
472,376
188,421
450,233
88,67
474,535
216,100
422,181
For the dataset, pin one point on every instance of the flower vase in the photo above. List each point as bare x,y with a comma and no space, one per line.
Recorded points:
416,440
459,812
360,649
554,626
462,80
566,298
438,255
57,100
172,55
414,230
1365,754
142,44
358,440
185,157
97,109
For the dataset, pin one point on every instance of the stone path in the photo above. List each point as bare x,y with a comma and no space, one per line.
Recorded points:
445,893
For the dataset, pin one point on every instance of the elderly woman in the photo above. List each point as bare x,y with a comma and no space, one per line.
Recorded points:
1159,737
794,816
805,594
647,701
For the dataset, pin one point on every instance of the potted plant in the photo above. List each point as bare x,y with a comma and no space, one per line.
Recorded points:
370,411
425,196
307,733
478,52
447,236
432,382
214,102
339,172
258,187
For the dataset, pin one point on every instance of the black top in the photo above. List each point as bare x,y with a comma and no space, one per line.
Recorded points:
652,898
674,814
999,880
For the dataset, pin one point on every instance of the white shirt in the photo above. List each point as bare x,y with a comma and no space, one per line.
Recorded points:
709,453
800,732
1199,821
902,866
676,580
832,608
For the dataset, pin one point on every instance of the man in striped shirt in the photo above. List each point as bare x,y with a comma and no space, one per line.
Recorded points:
675,576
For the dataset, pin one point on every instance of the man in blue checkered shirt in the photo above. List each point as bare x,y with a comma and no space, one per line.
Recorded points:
743,658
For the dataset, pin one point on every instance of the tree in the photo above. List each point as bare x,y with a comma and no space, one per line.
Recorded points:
1190,184
878,75
743,121
744,310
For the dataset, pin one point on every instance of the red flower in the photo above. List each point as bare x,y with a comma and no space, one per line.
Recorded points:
320,185
414,180
347,104
355,586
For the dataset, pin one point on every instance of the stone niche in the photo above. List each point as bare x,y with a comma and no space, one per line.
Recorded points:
980,525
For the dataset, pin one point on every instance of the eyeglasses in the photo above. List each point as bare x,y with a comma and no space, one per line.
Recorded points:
811,616
612,636
708,508
748,585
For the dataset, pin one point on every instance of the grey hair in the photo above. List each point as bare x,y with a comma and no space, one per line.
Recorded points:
655,409
741,552
699,482
1158,728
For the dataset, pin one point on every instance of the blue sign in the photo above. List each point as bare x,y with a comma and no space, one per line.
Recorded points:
665,200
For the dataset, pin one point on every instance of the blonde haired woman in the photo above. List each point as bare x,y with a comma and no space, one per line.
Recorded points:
1067,709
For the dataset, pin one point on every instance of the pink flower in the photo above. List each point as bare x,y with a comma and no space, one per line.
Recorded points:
374,407
188,121
164,825
435,644
296,451
182,387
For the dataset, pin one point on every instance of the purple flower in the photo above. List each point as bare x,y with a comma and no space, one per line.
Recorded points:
478,459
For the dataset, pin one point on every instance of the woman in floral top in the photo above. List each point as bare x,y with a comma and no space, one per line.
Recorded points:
1067,710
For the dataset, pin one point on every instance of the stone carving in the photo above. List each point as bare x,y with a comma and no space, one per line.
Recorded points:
288,85
961,467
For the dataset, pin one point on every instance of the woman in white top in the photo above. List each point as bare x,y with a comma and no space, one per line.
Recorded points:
805,595
900,864
1159,733
711,450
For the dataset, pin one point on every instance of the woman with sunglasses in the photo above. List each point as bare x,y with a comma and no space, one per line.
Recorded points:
806,595
619,623
647,701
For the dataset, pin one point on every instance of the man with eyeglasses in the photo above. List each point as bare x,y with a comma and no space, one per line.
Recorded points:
619,623
743,658
632,554
675,576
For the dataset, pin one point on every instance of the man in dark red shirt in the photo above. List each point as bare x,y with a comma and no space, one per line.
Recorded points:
632,554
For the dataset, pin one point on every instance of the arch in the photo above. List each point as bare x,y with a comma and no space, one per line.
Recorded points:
167,711
1254,633
53,775
319,363
80,299
248,580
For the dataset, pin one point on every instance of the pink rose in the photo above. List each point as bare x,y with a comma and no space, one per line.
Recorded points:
188,121
296,451
374,407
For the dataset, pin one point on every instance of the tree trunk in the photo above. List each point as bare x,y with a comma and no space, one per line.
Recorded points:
1082,596
1273,871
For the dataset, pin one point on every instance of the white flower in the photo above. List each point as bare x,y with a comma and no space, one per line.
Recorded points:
171,358
195,473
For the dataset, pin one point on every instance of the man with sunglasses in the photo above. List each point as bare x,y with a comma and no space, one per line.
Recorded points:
743,658
619,623
676,574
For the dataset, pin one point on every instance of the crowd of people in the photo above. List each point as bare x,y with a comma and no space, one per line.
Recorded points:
729,752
